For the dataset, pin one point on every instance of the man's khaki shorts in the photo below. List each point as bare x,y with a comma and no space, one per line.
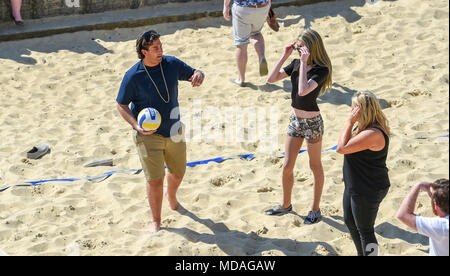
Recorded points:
155,150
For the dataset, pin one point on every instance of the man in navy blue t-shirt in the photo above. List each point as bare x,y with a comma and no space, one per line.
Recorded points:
153,82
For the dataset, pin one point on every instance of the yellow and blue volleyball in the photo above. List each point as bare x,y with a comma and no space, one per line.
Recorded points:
149,119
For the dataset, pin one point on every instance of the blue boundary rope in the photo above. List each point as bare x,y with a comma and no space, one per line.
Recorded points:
137,171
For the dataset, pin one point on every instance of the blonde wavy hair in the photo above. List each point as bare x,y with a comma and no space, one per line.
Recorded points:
370,113
318,55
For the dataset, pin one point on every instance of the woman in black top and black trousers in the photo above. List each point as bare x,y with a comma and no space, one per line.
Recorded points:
366,176
310,76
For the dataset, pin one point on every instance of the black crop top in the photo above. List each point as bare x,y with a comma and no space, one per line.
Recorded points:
317,73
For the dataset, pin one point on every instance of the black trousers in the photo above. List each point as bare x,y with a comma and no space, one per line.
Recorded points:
360,213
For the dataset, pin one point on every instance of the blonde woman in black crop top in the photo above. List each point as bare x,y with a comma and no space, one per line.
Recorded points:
310,75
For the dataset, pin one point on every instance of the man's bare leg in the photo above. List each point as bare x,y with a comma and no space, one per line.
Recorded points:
155,197
173,182
241,61
15,7
257,41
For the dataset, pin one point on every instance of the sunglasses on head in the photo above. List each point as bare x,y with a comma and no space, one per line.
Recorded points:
149,35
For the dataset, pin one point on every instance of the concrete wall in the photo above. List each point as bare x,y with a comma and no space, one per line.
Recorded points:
32,9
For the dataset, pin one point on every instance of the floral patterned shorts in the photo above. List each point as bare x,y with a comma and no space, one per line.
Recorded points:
310,128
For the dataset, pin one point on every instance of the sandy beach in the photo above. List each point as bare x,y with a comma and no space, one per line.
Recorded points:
61,90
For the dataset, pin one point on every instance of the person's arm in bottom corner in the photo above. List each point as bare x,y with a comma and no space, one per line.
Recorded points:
406,211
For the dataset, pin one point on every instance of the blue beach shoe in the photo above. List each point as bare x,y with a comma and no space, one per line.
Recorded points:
278,211
313,217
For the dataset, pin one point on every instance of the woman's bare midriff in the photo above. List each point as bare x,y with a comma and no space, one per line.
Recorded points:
305,114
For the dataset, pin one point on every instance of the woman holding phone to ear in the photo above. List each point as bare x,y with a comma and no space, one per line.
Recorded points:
310,76
366,178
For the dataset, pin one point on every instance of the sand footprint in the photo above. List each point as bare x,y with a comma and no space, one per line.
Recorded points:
444,79
201,199
265,190
38,248
424,36
416,93
391,36
405,163
440,14
358,74
396,103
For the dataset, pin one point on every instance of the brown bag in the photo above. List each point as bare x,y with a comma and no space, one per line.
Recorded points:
272,20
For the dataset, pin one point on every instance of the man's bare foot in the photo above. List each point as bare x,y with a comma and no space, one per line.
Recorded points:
154,227
173,203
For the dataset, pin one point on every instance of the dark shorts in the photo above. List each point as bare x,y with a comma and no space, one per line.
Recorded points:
308,128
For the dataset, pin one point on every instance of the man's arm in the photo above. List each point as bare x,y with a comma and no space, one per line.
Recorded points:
187,73
126,113
197,78
226,10
406,211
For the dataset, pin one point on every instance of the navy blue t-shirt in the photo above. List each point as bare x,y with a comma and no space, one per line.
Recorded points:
138,89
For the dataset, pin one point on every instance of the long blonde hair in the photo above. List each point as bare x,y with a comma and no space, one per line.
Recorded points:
318,55
370,113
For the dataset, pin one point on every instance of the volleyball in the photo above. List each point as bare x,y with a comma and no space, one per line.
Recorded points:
149,119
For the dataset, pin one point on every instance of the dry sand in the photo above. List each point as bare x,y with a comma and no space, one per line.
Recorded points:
61,90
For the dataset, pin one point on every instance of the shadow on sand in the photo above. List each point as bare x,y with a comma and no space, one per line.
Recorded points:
20,50
236,243
345,10
339,94
385,230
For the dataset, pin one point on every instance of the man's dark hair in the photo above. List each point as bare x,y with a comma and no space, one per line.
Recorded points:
144,41
440,195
